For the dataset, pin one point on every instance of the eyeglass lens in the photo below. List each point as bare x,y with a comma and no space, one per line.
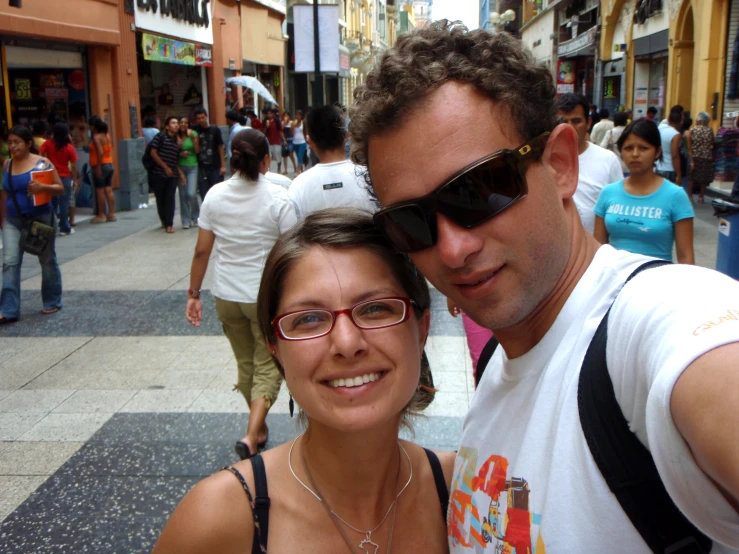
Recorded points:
367,315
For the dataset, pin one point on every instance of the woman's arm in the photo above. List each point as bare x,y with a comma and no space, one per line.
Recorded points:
684,241
675,149
55,188
215,516
599,230
203,248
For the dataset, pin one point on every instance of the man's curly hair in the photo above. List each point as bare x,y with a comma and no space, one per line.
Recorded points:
498,65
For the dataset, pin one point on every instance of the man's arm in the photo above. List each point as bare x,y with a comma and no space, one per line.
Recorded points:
223,159
675,148
160,162
704,408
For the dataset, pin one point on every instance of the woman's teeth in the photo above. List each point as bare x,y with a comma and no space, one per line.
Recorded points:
354,382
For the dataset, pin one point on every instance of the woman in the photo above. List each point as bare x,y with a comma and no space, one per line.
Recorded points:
700,149
188,170
347,319
21,197
101,162
645,213
620,120
64,157
287,128
242,217
300,146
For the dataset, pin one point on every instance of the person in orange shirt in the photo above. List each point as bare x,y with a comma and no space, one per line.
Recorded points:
101,162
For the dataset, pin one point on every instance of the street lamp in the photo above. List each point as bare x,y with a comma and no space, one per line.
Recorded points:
497,19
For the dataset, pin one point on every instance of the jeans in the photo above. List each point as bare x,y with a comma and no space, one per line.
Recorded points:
189,203
51,275
165,190
63,202
208,176
669,175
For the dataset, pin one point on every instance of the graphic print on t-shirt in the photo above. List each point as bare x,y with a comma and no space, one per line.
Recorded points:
503,521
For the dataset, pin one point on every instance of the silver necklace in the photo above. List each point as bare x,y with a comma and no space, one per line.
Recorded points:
367,534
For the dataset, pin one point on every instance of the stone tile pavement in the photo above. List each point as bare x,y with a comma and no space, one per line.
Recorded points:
113,408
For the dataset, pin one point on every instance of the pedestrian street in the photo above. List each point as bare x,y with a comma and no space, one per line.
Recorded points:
113,408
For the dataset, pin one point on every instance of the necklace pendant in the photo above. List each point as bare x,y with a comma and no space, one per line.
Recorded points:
368,541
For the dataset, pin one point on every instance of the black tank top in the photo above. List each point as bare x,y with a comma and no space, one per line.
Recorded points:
260,503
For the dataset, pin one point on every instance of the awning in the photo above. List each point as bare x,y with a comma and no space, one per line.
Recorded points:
582,45
253,84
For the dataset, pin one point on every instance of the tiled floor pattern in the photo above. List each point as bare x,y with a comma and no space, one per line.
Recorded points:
112,409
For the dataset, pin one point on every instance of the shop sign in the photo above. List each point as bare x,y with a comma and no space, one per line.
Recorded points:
611,86
585,40
56,93
23,89
160,49
566,70
186,19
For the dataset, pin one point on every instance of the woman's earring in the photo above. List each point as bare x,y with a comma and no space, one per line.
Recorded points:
292,405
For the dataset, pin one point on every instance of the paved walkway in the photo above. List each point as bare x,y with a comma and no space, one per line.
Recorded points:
113,408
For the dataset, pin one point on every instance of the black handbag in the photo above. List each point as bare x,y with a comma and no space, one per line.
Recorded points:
36,236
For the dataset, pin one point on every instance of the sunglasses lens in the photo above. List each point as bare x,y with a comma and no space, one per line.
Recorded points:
482,192
406,228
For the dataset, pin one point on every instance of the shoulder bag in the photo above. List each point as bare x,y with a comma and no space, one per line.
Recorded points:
36,236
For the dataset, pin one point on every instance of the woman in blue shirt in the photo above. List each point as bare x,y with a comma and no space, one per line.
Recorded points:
645,213
28,193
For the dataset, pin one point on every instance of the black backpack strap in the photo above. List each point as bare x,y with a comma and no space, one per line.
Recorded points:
261,501
482,362
625,463
439,481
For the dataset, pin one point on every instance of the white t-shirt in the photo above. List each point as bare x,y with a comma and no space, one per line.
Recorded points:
599,130
277,179
598,167
330,186
247,219
523,445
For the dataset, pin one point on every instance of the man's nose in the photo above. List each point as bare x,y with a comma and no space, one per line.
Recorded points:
455,244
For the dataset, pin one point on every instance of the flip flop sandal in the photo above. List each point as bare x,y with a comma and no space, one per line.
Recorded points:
242,449
51,311
111,219
6,320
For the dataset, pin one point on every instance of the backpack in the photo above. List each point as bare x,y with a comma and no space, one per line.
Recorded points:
146,160
625,463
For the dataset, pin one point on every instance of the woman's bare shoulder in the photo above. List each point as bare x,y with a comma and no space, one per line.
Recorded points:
215,516
446,458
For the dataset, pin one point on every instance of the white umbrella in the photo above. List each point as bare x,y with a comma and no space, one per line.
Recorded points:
253,84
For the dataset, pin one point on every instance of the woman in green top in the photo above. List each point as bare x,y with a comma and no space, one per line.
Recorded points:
188,169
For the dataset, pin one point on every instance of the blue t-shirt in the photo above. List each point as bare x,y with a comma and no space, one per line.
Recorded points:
25,203
643,224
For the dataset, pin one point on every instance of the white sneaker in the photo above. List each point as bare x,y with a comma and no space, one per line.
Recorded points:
144,205
185,226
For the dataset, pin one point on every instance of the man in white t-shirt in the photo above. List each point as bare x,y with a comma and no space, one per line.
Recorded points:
598,167
335,181
504,242
601,128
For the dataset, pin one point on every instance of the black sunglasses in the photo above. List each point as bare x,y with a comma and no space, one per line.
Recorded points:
475,194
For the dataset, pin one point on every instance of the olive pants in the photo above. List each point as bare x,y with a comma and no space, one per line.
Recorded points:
258,374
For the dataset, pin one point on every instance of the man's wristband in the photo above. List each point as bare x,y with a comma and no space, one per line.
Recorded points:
194,293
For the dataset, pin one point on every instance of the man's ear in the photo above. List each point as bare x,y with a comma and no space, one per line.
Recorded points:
561,155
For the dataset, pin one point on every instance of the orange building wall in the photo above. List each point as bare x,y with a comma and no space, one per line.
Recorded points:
227,11
89,21
125,78
261,32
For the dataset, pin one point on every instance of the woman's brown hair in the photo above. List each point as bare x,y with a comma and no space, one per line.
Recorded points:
248,149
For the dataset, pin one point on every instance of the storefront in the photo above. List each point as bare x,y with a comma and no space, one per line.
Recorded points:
173,54
576,65
172,75
46,81
650,48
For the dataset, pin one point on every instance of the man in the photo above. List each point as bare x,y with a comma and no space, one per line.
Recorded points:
594,117
652,113
254,121
669,165
335,181
149,131
211,159
519,262
275,135
165,151
598,166
235,124
40,129
275,178
601,128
